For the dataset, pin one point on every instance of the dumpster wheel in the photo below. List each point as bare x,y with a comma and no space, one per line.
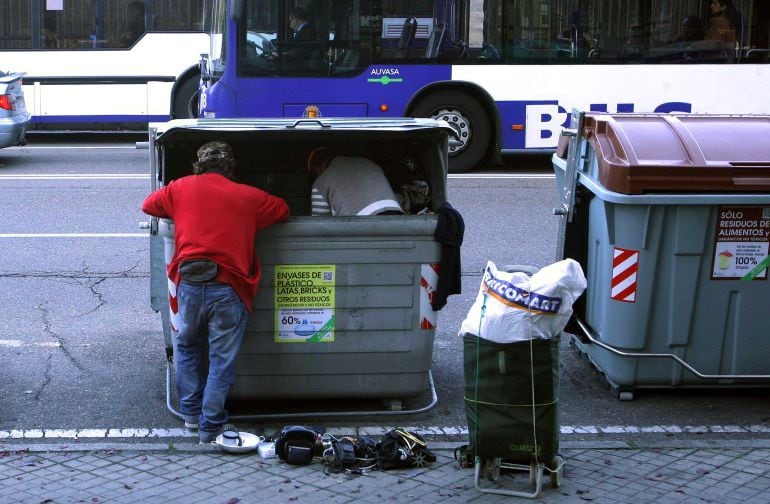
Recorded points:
625,395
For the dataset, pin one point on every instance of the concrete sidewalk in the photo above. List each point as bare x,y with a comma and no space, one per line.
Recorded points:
179,471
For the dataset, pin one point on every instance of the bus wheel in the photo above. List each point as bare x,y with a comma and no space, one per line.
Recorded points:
186,100
468,119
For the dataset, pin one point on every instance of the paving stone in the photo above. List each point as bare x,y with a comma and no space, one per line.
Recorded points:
680,475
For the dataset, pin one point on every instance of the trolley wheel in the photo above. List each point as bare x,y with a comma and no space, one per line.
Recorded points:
533,473
492,468
557,472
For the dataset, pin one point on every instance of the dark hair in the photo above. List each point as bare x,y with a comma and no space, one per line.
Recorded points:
215,156
732,14
299,13
317,160
224,166
136,5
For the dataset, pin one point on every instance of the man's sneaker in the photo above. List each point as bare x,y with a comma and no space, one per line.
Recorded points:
191,422
208,437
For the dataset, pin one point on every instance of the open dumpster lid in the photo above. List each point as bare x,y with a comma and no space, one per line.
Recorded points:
645,153
273,153
188,127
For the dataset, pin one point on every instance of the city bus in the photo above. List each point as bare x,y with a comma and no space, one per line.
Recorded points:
104,64
504,73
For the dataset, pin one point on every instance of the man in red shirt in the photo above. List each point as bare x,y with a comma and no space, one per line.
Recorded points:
216,273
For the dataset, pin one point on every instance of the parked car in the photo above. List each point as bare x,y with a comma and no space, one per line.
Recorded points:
14,117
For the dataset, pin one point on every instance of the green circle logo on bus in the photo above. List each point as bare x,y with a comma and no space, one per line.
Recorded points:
384,80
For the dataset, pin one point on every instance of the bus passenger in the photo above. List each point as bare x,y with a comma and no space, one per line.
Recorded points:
723,23
300,23
346,185
216,272
135,27
304,35
692,30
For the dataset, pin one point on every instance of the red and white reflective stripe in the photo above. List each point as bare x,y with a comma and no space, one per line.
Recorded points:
173,305
428,283
625,266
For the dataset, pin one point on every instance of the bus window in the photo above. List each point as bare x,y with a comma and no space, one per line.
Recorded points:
177,16
347,53
284,37
83,24
91,24
79,55
217,23
629,31
338,43
15,28
756,33
134,25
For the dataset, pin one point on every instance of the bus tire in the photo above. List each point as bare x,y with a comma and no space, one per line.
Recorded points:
186,99
467,117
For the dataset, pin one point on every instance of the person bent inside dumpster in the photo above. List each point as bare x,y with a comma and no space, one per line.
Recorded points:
216,272
345,185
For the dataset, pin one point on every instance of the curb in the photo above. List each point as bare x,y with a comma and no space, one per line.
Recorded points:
184,445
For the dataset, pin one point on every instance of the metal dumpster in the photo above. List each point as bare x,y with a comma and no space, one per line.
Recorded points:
669,215
343,308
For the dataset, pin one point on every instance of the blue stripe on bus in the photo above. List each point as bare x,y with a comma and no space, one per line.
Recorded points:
388,89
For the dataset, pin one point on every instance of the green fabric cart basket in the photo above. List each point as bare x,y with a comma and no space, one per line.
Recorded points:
499,400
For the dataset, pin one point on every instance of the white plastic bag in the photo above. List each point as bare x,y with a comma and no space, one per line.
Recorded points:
518,307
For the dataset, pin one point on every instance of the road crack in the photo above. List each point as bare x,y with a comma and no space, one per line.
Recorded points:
96,281
98,295
46,377
78,275
62,342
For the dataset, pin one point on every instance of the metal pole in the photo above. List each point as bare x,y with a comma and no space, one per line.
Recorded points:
588,332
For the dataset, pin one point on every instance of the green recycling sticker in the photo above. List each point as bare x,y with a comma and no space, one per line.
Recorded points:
758,269
741,243
304,303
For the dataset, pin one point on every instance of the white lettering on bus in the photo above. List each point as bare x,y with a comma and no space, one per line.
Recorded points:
384,71
544,122
543,127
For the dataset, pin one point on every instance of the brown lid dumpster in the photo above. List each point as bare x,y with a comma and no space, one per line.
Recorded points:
645,153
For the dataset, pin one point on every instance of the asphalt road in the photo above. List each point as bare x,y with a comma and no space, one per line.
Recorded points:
81,347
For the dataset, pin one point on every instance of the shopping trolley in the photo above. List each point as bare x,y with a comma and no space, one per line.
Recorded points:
511,402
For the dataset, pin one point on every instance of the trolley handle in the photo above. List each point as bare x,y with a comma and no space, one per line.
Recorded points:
519,268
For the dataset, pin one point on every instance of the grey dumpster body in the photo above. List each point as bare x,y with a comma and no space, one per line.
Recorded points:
669,216
343,306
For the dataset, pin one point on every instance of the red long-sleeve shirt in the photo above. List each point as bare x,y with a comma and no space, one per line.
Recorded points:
216,218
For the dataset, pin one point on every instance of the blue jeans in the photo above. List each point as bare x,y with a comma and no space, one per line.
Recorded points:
213,317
